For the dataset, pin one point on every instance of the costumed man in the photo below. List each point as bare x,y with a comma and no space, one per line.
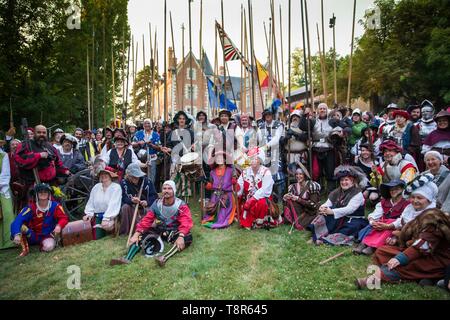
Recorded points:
423,251
439,139
232,137
70,156
181,142
42,156
341,217
255,189
386,126
323,161
302,201
414,113
134,180
88,149
386,212
269,133
120,157
406,135
147,139
357,127
56,138
39,222
108,143
426,125
296,146
395,165
6,203
169,218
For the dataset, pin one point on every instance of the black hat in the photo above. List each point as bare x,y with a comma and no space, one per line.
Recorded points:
411,107
124,133
228,112
385,187
179,113
121,138
42,187
267,111
203,113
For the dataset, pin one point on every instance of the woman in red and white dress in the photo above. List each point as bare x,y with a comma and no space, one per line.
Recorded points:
255,191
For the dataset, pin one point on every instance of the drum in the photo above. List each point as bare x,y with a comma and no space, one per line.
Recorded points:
191,165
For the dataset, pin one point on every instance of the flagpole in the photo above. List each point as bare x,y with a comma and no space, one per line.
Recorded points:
216,69
351,57
311,82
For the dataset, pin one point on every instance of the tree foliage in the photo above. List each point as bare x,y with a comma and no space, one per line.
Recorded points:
43,72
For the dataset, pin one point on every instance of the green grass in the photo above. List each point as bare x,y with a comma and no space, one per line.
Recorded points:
220,264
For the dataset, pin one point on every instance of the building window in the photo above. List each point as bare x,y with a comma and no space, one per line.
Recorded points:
191,74
190,91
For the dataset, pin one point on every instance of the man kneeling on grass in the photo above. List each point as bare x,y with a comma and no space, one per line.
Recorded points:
39,222
169,218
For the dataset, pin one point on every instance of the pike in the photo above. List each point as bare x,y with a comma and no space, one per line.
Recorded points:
351,57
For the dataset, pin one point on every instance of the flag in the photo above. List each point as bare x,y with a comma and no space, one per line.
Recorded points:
231,52
226,103
263,76
213,101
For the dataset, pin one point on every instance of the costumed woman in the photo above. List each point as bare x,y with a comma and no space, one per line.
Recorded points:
341,217
423,251
302,200
221,208
255,190
386,212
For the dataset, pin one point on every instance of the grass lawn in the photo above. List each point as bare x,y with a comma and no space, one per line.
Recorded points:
221,264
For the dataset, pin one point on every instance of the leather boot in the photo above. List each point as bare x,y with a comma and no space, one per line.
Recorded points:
115,262
358,250
368,251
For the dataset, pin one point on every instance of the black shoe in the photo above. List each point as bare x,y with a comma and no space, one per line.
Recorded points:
426,283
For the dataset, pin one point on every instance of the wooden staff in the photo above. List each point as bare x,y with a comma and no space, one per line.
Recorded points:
174,77
311,82
191,73
165,61
351,56
152,61
93,78
135,212
183,68
124,118
252,52
282,58
132,76
146,83
334,257
128,80
321,62
325,89
88,89
113,85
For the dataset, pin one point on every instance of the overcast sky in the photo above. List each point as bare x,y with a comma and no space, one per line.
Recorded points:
143,12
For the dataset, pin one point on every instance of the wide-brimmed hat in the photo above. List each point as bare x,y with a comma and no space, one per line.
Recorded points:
179,113
266,112
70,138
390,145
122,139
392,106
134,170
113,175
122,131
351,171
442,114
228,112
387,186
402,113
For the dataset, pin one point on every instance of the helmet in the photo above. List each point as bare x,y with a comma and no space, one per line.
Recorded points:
152,245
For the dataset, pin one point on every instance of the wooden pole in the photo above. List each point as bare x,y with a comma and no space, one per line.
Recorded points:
191,72
123,79
146,82
104,70
94,123
289,58
241,106
333,24
113,84
165,61
252,52
311,82
151,80
246,74
325,88
183,68
174,72
132,76
321,62
282,57
88,90
128,80
351,57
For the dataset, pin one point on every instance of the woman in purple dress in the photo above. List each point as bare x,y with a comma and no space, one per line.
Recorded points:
220,210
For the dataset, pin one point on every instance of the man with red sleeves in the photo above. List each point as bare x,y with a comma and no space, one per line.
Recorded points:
169,219
38,222
40,154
